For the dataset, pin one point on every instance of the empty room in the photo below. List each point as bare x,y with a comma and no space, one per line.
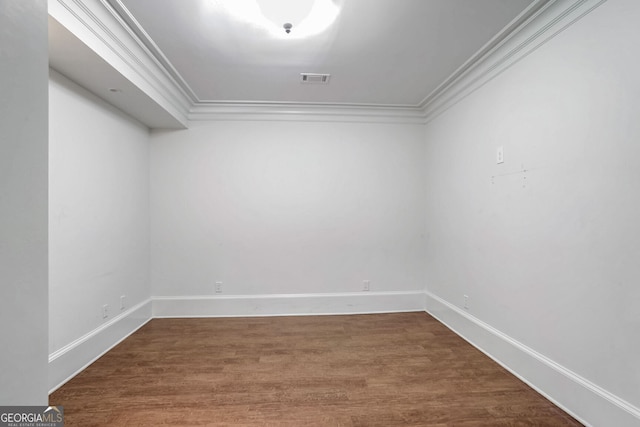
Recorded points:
320,212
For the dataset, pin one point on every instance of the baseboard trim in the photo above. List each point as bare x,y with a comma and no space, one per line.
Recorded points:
287,304
73,358
582,399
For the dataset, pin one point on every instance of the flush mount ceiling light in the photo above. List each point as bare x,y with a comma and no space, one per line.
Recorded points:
284,18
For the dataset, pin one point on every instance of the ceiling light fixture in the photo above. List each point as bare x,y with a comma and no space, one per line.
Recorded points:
299,18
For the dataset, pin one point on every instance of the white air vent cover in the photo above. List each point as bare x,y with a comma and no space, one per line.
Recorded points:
315,78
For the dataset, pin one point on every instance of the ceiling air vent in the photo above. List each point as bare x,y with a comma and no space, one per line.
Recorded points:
315,78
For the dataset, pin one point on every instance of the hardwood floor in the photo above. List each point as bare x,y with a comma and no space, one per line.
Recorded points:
403,369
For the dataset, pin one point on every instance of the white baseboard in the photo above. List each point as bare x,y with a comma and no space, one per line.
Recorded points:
70,360
287,304
585,401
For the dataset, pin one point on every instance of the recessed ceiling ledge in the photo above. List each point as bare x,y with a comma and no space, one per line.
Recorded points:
98,26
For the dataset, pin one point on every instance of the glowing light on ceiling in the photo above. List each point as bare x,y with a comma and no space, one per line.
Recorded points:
307,17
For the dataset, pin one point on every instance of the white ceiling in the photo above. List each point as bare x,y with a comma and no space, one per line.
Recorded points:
380,53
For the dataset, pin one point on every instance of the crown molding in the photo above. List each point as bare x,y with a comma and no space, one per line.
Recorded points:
484,53
127,19
98,25
114,35
542,21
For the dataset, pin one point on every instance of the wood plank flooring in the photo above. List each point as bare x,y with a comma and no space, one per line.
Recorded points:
401,369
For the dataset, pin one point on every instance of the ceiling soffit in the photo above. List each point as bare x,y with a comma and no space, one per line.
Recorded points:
114,35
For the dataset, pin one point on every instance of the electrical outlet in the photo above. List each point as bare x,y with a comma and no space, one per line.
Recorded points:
366,285
500,155
105,311
123,304
218,288
466,302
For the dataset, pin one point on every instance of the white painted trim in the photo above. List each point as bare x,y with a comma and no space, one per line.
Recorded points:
73,358
485,52
131,24
587,402
544,22
287,304
584,400
115,36
100,27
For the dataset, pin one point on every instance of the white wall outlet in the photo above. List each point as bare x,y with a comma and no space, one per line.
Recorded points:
218,288
123,302
500,154
466,302
366,285
105,311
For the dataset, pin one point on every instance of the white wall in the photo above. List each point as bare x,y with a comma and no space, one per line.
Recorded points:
287,208
545,245
549,257
23,202
99,213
